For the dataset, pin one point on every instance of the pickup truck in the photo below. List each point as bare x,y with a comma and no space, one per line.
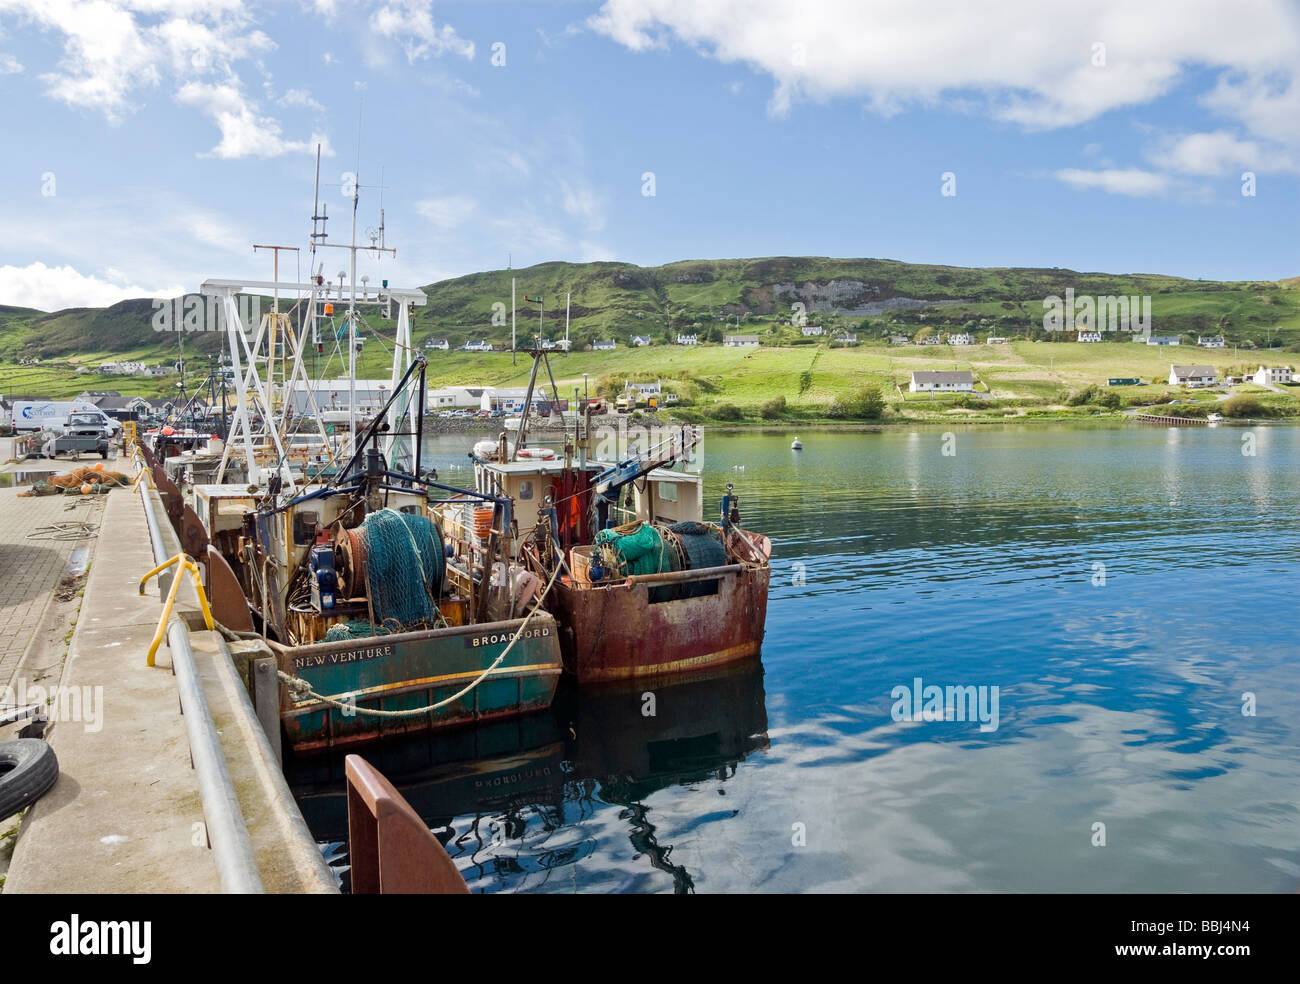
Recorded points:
83,432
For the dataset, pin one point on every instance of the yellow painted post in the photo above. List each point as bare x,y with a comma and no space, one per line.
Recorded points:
184,563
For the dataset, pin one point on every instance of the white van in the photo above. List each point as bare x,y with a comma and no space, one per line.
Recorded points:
33,415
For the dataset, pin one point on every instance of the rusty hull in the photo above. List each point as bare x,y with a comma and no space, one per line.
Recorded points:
615,632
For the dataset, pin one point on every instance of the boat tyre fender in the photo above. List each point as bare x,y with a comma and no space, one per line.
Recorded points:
28,768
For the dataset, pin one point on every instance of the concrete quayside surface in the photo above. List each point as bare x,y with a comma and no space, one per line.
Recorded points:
126,815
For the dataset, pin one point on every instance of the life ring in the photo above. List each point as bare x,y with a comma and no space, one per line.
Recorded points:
28,768
535,453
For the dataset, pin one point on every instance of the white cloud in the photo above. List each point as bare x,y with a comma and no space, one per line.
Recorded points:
301,97
55,288
9,65
583,204
411,23
328,58
243,132
1215,154
114,50
1128,181
449,212
1031,63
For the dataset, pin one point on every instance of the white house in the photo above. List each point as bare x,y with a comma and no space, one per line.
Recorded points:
934,339
994,340
846,337
688,339
1163,340
1090,336
639,340
1210,341
602,345
643,391
898,339
741,341
941,381
476,345
436,343
810,331
1192,376
961,338
1264,376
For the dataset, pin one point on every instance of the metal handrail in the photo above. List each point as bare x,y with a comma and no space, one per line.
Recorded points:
232,849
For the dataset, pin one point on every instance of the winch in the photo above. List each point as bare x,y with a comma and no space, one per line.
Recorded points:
324,579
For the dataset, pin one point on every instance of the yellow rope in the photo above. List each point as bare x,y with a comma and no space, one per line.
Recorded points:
300,686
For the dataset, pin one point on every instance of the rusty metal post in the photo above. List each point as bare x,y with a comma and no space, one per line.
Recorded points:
391,851
264,689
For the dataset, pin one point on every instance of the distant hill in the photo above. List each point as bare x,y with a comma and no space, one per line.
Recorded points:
709,297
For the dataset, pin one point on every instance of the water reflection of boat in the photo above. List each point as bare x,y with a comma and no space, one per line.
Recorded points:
702,727
635,741
510,798
489,769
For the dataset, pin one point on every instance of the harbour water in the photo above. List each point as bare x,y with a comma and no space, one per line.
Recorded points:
1130,592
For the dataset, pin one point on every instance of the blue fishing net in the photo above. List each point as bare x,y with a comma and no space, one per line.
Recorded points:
405,567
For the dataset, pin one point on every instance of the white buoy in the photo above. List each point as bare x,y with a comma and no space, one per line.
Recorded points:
796,445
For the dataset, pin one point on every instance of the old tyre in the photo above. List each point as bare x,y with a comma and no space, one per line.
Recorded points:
28,768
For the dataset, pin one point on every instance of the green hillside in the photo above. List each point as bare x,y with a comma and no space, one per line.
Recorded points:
874,298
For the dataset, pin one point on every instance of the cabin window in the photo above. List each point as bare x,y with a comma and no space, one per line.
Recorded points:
525,490
667,492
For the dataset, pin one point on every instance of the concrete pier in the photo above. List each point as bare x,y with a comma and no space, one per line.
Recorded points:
126,815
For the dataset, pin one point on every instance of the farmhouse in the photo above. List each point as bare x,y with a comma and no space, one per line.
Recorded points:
602,345
1163,340
846,337
1265,376
925,381
961,338
476,345
741,341
898,339
1192,376
688,339
1090,336
639,340
436,343
810,331
995,340
1210,341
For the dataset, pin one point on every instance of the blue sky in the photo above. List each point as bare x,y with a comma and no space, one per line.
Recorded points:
151,142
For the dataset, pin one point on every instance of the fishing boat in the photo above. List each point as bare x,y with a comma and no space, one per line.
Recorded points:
383,618
644,585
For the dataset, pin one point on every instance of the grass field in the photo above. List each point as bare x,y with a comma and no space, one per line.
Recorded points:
808,377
